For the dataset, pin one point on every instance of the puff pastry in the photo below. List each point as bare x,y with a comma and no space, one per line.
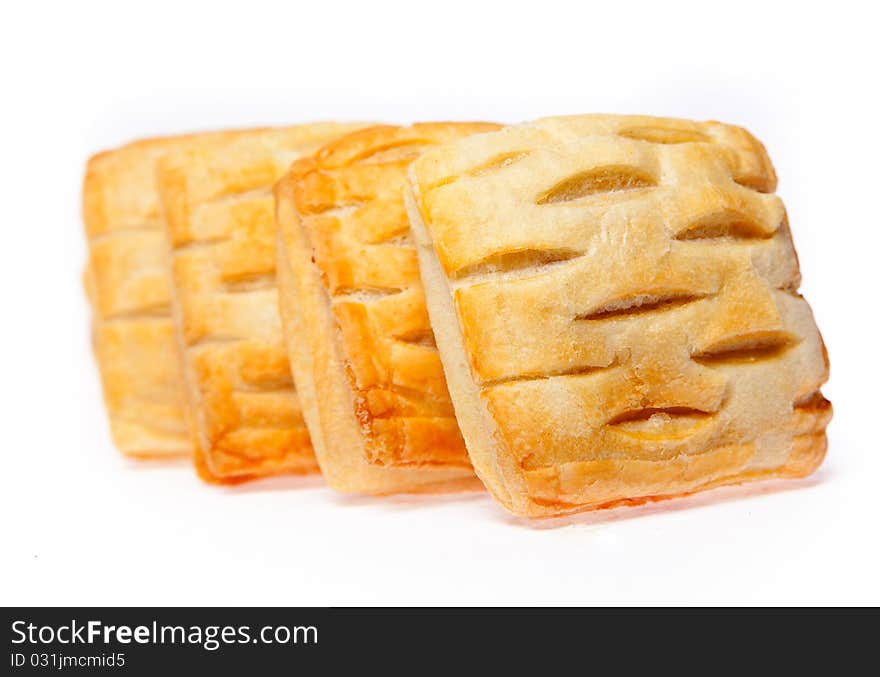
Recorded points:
126,280
217,206
615,303
360,343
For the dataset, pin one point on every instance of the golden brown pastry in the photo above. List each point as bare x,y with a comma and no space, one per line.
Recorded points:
615,302
360,344
218,209
127,283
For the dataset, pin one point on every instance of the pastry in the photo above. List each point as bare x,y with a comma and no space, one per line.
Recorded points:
360,344
615,303
126,281
217,207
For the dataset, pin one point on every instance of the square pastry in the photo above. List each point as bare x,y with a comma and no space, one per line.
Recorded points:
360,343
615,303
127,284
218,210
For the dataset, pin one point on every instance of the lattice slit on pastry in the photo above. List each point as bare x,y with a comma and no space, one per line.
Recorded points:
361,347
614,303
218,208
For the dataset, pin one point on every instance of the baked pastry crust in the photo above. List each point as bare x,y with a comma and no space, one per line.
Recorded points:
126,280
615,302
354,314
218,210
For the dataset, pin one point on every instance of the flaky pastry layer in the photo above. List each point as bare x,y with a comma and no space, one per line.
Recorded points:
615,302
217,207
126,280
350,290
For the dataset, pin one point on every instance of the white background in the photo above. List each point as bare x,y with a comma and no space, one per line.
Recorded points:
82,525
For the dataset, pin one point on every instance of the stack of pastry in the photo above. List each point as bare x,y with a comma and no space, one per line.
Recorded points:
581,312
